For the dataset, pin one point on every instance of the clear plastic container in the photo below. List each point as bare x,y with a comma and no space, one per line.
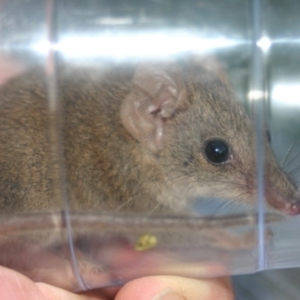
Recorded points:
124,150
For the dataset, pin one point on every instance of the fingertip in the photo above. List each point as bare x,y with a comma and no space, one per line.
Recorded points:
15,286
53,293
173,287
145,288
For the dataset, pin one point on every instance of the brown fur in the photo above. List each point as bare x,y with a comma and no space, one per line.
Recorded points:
108,167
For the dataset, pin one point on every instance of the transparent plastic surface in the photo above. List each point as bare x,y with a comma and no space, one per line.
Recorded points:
125,150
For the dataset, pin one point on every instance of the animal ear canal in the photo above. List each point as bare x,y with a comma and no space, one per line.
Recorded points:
158,92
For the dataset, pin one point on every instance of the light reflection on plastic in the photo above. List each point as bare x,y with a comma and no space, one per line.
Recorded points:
143,45
289,41
255,95
264,43
114,21
286,94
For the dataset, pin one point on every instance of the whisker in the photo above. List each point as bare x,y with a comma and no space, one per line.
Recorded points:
295,158
221,206
230,202
291,162
294,171
125,203
207,180
289,151
155,208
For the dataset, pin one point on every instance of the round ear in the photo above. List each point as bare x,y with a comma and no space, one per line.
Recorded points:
158,90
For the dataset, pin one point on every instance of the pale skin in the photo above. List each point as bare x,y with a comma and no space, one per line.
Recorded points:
15,286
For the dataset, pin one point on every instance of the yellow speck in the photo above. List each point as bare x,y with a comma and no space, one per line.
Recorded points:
146,242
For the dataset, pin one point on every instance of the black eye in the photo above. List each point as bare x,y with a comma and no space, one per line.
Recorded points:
216,152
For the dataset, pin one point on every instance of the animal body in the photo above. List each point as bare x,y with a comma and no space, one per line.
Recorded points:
151,137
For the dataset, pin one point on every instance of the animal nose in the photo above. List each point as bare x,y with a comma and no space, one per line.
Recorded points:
293,208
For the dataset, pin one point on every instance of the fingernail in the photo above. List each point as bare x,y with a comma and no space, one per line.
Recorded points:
168,295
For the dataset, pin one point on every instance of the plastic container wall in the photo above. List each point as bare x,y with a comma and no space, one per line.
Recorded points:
282,82
127,151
